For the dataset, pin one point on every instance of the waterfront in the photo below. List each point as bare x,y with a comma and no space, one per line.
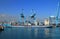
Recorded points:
30,33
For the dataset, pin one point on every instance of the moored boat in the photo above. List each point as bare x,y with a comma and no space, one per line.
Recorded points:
1,27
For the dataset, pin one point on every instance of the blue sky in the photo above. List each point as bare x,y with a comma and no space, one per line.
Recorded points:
43,8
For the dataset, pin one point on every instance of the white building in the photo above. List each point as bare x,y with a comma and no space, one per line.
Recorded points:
46,22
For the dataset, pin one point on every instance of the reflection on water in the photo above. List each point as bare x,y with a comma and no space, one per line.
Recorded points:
30,33
47,31
36,32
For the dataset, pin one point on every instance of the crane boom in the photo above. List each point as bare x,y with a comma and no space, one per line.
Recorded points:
57,15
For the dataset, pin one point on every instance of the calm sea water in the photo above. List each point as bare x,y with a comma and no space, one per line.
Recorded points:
30,33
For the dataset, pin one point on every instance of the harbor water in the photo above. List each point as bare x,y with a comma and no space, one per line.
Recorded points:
30,33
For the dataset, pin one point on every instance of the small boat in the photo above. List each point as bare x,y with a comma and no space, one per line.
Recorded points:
1,28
